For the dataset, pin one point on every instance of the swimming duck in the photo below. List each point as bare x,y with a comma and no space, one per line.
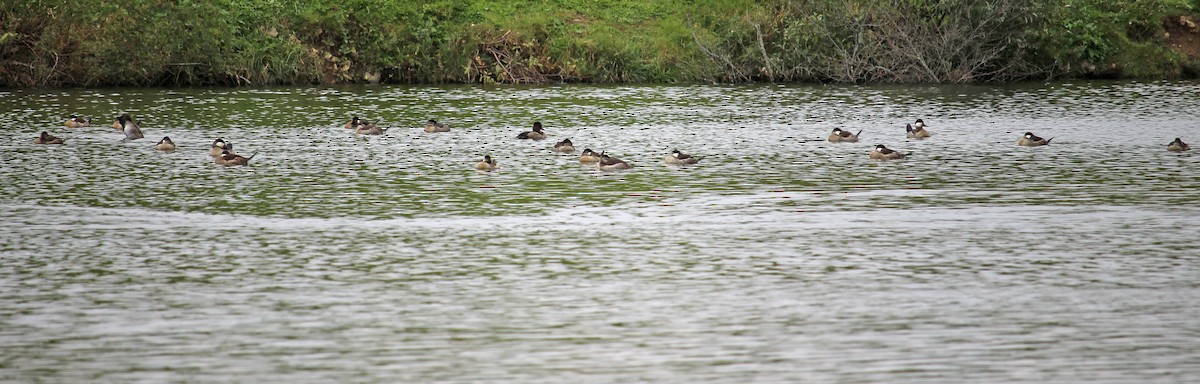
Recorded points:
916,130
883,153
229,158
609,163
353,123
487,164
535,134
564,146
1178,146
165,145
432,126
129,127
1031,140
678,158
77,122
46,138
840,136
589,156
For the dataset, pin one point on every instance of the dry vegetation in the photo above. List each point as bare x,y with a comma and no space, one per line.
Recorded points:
243,42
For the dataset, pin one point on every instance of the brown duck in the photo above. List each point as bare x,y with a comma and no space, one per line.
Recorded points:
77,122
916,130
679,158
1032,140
229,158
535,134
47,138
840,136
883,153
609,163
487,164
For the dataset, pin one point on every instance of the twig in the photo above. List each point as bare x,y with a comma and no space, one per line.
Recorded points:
762,48
52,69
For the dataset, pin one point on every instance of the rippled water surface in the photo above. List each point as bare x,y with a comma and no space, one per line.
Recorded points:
781,257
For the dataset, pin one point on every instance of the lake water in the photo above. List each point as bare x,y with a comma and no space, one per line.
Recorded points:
781,257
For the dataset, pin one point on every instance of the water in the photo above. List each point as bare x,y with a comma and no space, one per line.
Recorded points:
779,258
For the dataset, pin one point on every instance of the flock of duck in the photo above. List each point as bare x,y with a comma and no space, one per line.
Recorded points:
602,160
917,130
223,153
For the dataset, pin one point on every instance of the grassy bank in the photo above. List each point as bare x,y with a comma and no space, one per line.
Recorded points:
241,42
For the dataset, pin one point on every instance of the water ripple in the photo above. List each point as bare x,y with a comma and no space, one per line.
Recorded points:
780,258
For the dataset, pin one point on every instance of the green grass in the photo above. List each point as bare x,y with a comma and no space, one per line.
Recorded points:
240,42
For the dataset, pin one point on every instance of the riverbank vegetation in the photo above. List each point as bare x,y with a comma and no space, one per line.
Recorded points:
252,42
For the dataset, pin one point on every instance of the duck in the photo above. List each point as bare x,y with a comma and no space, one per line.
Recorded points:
47,138
564,146
165,145
1031,140
1178,146
840,136
353,123
369,129
432,126
883,153
229,158
129,127
535,134
77,122
487,164
609,163
916,130
589,156
679,158
218,146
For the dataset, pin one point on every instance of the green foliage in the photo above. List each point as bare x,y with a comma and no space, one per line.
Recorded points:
255,42
1086,37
